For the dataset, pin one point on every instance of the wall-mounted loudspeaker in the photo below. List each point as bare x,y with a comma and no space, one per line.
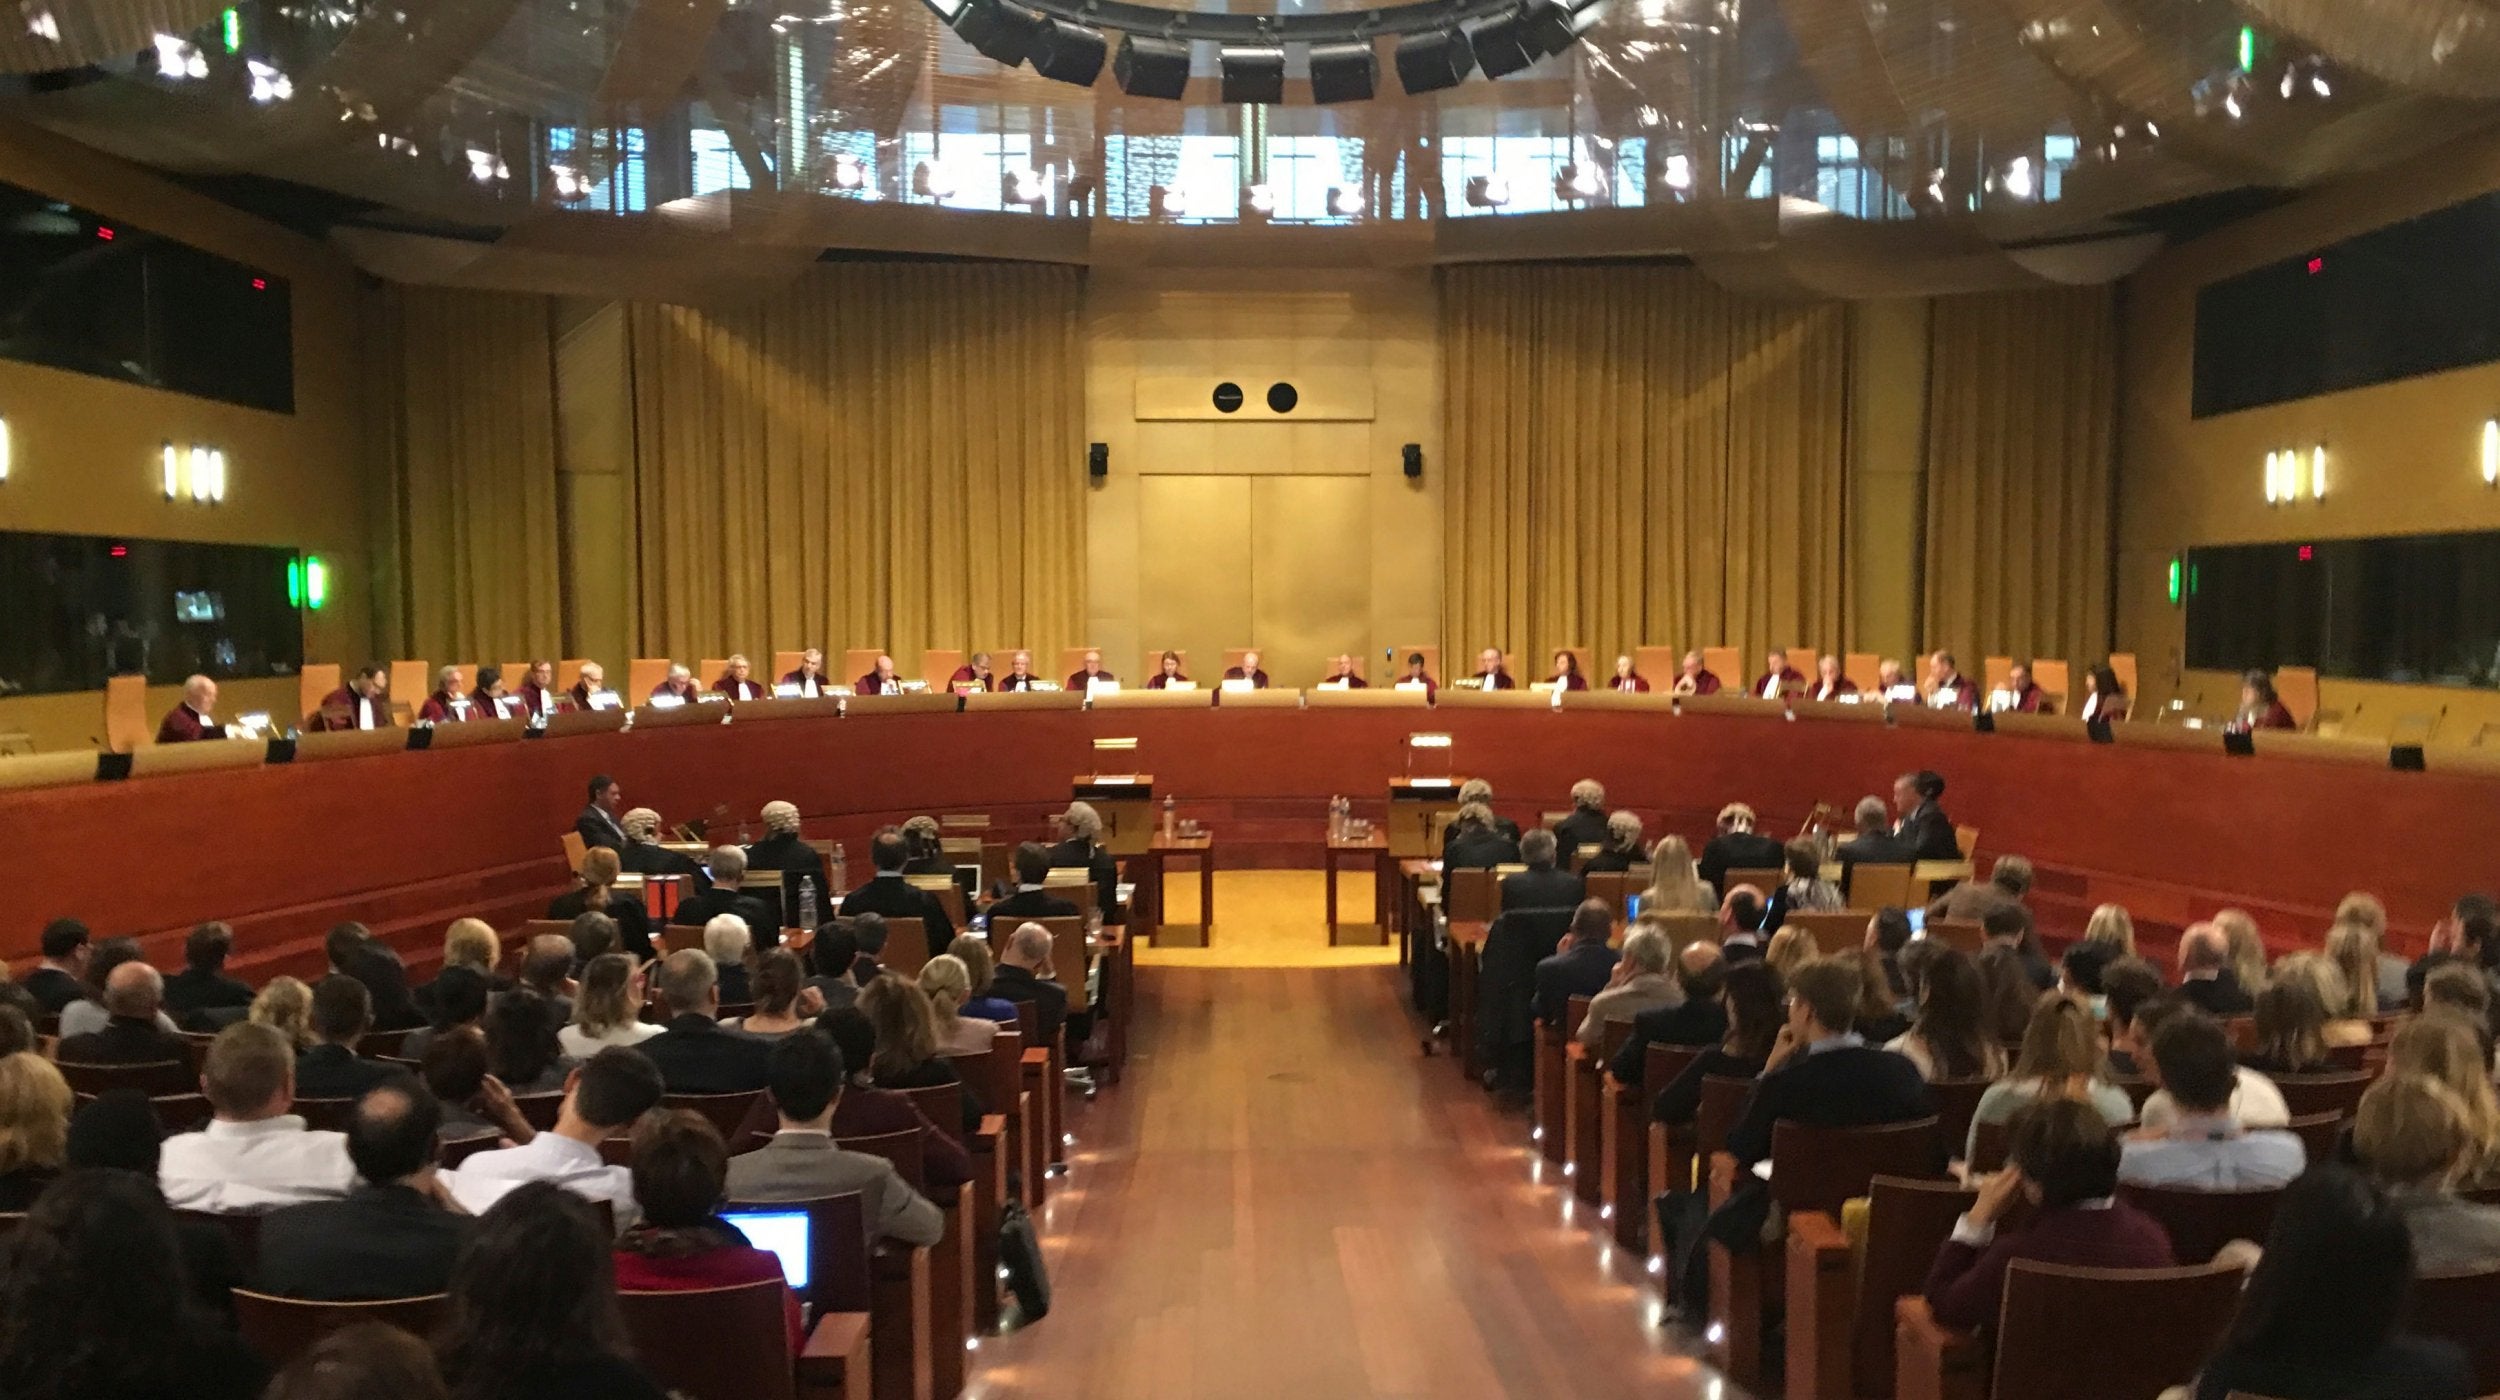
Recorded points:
1413,455
1098,459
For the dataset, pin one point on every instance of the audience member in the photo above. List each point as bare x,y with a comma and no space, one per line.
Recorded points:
1950,1036
457,1000
868,936
777,983
90,1014
2009,880
330,1068
34,1127
1804,890
1585,823
2006,990
354,950
533,1312
547,969
1474,840
907,1055
2060,1059
1888,932
864,1110
973,951
2442,1046
644,855
948,985
2245,949
608,1009
802,1162
2062,1162
1639,982
1030,900
2320,1318
1583,966
1919,797
1622,848
1873,843
2126,985
469,945
95,1303
285,1006
730,943
475,1104
1024,975
695,1054
728,867
1737,846
1789,949
131,1035
254,1155
890,893
1676,886
2290,1027
2079,971
58,979
2415,1137
2470,935
361,1361
2204,1146
1081,849
2356,942
1749,1004
1542,885
17,1031
394,1234
2463,992
783,849
1740,924
2111,927
602,1098
2255,1102
1698,1018
118,1130
591,934
680,1176
203,985
835,958
1880,1015
522,1048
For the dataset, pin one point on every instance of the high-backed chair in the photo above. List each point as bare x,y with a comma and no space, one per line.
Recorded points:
2056,682
713,1343
1727,663
126,722
157,1078
1546,1095
2201,1222
1842,932
313,685
1840,1304
725,1111
1862,669
1584,1085
1395,669
1880,886
2459,1306
643,675
281,1328
837,1249
2340,1094
2170,1320
938,666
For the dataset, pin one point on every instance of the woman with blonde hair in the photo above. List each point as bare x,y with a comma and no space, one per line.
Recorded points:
2246,948
907,1053
598,894
973,951
2112,925
2360,924
472,943
608,1008
2413,1136
1675,881
2345,1024
1791,948
777,983
2442,1045
34,1128
285,1004
2061,1058
949,985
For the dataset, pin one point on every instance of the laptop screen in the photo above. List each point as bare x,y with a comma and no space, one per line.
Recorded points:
781,1232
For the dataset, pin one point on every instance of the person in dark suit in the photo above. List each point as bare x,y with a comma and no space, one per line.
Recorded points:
1024,970
1084,848
61,977
1923,825
1737,846
1585,824
696,1055
598,824
729,867
330,1068
1089,672
800,864
203,984
1031,900
1821,1074
1248,670
118,1131
353,951
1622,849
1474,844
644,855
1477,790
2205,975
887,893
1699,1019
926,843
1582,967
1540,886
1874,843
394,1234
191,720
133,993
598,894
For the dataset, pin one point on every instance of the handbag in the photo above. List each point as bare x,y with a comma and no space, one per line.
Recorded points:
1020,1258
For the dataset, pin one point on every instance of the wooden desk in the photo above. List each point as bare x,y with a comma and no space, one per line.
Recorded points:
1125,802
1412,801
1159,853
1372,846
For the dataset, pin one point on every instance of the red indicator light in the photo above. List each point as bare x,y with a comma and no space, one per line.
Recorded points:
260,284
121,551
2316,266
104,233
2306,554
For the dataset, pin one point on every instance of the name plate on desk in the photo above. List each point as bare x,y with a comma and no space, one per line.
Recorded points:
1376,698
791,707
1026,700
584,722
1728,703
677,716
1167,698
1455,697
477,732
1113,786
1839,712
1618,700
859,706
1270,699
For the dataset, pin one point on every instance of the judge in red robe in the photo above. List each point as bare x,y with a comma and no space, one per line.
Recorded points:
1490,673
1248,670
593,679
190,721
1417,675
2104,698
810,676
972,675
1627,679
1829,683
2025,697
880,679
492,700
450,702
1567,672
538,694
736,684
1019,673
1777,678
362,703
1341,673
1695,678
679,686
1090,672
1167,672
2260,707
1948,688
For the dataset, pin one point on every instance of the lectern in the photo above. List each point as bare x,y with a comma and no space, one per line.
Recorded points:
1124,800
1429,787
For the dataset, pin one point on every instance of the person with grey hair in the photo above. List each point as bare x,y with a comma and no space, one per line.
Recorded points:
1585,823
1583,967
726,896
642,853
728,940
679,686
1474,842
801,865
1541,885
194,718
1480,792
696,1054
133,992
2205,976
1622,849
926,841
1024,975
1083,826
90,1012
1874,842
450,703
1639,982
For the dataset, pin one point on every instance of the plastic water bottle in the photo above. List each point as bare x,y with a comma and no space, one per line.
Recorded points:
1170,806
807,904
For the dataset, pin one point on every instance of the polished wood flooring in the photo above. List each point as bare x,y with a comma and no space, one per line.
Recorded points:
1285,1199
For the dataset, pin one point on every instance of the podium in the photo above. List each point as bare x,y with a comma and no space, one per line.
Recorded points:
1126,804
1412,804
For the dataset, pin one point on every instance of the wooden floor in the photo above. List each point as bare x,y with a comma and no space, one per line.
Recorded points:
1269,918
1283,1199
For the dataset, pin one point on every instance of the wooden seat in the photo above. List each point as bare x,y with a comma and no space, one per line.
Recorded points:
1546,1093
242,1230
1963,936
1584,1138
1615,887
280,1328
951,1272
1840,1308
182,1113
997,1076
162,1077
837,1249
906,947
1956,1102
726,1111
1624,1146
2171,1320
2318,1134
383,1045
1840,932
730,1343
2201,1222
1763,880
1880,887
2460,1306
2339,1094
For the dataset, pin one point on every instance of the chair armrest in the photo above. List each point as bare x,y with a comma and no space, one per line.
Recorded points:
1722,1178
1037,1057
839,1336
1933,1362
892,1260
993,1127
1574,1051
1821,1289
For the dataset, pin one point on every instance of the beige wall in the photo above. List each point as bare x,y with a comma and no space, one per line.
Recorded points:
1888,365
2401,457
86,449
1302,538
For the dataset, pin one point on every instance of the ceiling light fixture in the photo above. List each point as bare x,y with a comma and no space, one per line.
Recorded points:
2491,452
4,449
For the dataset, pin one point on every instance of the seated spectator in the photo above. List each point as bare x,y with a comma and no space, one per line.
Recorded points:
1804,891
2321,1315
361,1361
2060,1059
2062,1162
602,1099
330,1068
1873,842
91,1013
868,934
730,943
1638,983
1880,1016
533,1311
1622,848
475,1104
1888,932
135,1032
2205,975
2469,935
1949,1037
696,1054
203,985
117,1130
17,1030
2009,880
1789,949
727,895
1024,975
2415,1138
1675,883
2126,985
1542,885
394,1234
285,1006
458,1001
591,934
608,1008
93,1303
34,1128
777,985
254,1155
1735,845
2255,1102
547,969
1697,1018
2464,992
680,1176
1749,998
2111,927
801,1161
864,1110
1740,924
2290,1025
2245,947
2444,1046
354,950
1583,966
835,957
973,951
2345,1023
2079,972
2356,942
2006,991
1474,839
469,945
948,984
522,1050
907,1054
58,980
2203,1145
598,894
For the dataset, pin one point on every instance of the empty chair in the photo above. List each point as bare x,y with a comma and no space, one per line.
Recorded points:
2201,1222
2161,1323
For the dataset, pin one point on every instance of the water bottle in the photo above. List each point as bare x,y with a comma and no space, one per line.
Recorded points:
807,904
1170,806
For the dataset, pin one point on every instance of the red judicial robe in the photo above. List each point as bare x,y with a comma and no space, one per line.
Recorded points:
580,695
1633,684
2104,707
2030,700
1837,689
1077,679
186,725
800,678
1349,680
497,706
1789,679
1431,686
1496,679
1702,682
739,690
537,699
1965,695
1160,681
685,691
439,709
339,710
1572,681
966,676
2274,716
1257,679
1012,681
870,685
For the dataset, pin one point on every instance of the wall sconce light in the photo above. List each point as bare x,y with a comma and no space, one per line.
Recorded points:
2317,472
2290,474
2275,486
199,473
4,449
2491,451
173,472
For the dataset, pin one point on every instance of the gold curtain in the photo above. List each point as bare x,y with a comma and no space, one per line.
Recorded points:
887,455
2021,397
465,385
1637,457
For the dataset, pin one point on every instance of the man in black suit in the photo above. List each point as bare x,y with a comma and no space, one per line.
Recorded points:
1737,846
1583,966
890,894
353,951
58,980
1874,843
203,983
1700,1019
1540,886
342,1011
1585,823
133,993
1923,823
395,1232
1030,900
1474,843
598,824
1082,848
1822,1074
1024,969
729,867
644,855
800,864
1480,792
695,1054
2205,975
